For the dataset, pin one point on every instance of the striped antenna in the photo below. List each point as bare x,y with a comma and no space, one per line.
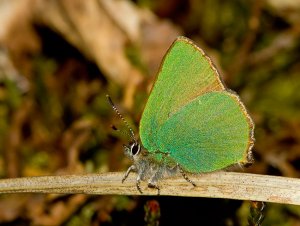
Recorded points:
131,134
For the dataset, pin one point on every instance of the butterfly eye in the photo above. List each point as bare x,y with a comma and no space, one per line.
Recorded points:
135,148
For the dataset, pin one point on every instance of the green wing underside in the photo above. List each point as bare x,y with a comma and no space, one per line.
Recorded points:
186,72
209,133
191,116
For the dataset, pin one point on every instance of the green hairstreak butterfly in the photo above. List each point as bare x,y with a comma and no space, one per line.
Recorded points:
191,122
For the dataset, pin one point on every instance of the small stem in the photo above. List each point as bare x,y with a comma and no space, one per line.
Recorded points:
230,185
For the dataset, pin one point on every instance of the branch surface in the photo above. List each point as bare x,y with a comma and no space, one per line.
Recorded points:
230,185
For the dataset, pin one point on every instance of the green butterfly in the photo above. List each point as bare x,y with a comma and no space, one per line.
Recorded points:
191,123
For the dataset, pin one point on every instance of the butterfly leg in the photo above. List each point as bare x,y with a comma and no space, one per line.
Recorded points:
138,179
131,168
152,183
138,182
185,176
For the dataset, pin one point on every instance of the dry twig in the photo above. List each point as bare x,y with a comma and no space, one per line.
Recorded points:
229,185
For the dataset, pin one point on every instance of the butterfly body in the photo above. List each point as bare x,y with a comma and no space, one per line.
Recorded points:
191,122
149,166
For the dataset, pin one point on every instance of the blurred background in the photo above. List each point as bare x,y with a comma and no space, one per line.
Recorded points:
58,60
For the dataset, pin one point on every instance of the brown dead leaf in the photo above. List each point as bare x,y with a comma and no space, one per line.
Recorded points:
56,213
99,33
102,35
288,9
12,206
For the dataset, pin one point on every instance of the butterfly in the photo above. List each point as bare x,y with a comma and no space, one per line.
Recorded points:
191,122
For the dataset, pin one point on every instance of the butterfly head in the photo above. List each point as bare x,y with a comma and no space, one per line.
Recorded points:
132,149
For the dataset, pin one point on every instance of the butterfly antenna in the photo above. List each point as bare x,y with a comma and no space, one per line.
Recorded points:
131,134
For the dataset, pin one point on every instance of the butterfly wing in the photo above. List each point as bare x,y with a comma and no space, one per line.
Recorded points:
185,73
211,132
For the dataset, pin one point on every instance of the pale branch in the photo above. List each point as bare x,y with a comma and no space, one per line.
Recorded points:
230,185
